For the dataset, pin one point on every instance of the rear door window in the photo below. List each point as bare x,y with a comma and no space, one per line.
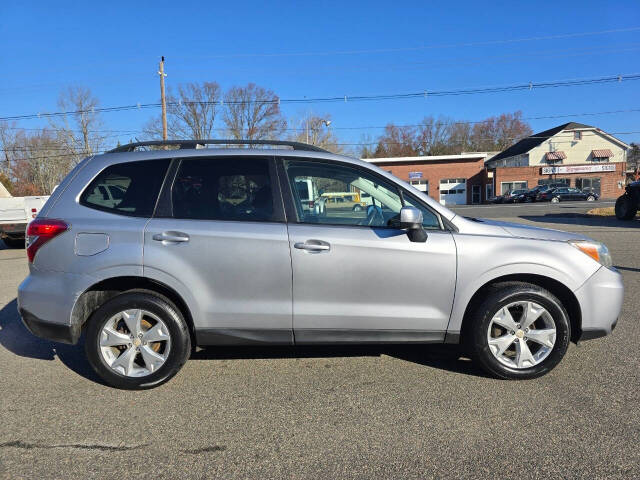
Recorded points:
223,189
127,188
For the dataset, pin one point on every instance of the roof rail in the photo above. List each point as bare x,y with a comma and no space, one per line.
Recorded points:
186,144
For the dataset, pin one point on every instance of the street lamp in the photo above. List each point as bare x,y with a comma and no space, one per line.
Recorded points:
324,121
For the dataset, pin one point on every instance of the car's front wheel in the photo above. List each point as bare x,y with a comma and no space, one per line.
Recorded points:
519,331
137,340
555,199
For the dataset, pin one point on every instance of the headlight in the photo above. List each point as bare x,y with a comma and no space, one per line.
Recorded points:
596,250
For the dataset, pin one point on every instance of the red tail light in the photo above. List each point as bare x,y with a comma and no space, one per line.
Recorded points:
40,231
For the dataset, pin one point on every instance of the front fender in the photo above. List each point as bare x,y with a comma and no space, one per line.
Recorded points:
482,260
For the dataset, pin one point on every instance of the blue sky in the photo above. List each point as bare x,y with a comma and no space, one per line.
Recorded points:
291,47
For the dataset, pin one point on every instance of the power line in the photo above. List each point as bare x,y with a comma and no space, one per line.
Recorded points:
422,47
356,98
23,149
119,133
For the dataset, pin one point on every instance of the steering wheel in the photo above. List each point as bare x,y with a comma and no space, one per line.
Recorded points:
374,216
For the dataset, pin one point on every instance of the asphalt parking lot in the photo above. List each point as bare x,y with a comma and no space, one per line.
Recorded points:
365,412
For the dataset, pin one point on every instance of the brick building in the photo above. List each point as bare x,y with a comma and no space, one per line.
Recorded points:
450,179
574,154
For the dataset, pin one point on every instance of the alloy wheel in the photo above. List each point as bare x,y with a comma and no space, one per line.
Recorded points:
134,343
521,334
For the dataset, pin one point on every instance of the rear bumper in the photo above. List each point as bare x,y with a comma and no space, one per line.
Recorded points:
46,301
13,230
600,300
51,331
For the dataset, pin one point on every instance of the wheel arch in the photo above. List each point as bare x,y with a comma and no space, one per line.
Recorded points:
564,294
100,292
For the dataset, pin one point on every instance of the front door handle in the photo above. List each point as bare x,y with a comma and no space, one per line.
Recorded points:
171,237
313,246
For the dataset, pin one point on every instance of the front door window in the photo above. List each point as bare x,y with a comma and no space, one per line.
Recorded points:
345,195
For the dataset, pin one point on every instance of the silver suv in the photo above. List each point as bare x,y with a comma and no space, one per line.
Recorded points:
214,246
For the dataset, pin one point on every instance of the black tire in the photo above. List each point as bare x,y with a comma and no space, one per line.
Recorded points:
14,242
626,208
500,295
156,304
555,200
591,198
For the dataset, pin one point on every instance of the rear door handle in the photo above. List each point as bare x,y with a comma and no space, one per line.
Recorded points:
313,246
171,237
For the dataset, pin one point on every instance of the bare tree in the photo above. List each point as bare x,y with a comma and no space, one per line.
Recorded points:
397,142
432,137
191,113
37,162
79,131
444,136
460,134
316,130
253,112
498,133
367,149
633,157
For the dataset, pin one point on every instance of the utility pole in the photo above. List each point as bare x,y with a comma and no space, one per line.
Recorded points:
164,101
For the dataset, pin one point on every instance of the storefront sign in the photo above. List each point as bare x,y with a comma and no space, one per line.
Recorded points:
415,175
603,167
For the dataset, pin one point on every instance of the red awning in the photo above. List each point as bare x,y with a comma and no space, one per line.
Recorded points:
604,153
555,156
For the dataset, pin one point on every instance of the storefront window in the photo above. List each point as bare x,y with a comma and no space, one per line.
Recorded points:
591,185
509,186
549,181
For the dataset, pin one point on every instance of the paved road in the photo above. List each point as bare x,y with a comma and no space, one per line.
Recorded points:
328,412
528,209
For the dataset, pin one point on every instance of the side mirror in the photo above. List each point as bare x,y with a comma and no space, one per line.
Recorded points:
411,219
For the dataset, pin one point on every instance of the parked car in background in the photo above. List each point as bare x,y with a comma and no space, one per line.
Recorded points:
15,214
515,196
563,194
532,194
213,247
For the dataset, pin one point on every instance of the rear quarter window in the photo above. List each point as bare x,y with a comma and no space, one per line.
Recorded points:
127,188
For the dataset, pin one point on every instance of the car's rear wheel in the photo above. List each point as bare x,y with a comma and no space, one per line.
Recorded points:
591,198
137,340
625,208
555,199
519,331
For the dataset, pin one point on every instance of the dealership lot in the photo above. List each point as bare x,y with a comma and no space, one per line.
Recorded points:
348,412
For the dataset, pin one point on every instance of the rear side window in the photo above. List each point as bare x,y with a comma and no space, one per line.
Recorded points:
127,188
223,189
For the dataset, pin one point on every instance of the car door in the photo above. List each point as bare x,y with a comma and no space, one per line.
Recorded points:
220,240
355,278
577,194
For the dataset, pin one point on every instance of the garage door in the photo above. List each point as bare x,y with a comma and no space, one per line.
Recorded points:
453,191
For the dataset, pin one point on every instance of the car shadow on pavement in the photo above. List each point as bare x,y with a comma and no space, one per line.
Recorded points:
443,357
15,338
581,219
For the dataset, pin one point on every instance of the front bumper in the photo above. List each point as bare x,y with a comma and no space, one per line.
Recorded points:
600,300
